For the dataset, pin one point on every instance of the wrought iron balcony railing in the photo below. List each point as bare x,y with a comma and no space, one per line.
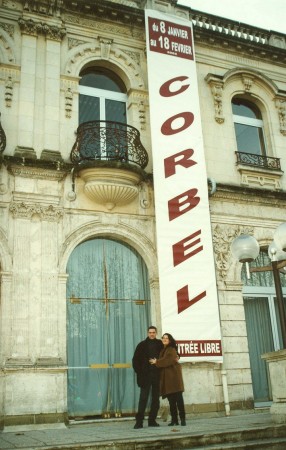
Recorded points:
259,161
110,141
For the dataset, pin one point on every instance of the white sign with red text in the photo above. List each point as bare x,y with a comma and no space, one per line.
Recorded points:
189,304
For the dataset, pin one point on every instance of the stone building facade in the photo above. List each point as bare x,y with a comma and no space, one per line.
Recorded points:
52,202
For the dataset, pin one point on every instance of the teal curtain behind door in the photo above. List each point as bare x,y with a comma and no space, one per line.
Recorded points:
108,307
259,334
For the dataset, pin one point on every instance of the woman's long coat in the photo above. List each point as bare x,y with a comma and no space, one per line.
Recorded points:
171,379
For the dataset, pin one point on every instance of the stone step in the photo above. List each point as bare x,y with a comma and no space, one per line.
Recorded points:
267,444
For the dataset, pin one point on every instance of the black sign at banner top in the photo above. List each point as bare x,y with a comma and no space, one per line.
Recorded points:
170,38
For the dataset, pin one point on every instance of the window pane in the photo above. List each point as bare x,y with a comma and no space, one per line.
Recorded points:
248,139
116,139
88,108
244,110
261,278
102,81
115,111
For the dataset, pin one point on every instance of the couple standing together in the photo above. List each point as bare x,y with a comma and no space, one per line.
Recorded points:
150,355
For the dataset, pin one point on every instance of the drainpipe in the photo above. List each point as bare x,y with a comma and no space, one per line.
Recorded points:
225,390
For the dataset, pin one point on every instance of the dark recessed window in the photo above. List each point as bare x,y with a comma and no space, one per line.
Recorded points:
248,126
102,96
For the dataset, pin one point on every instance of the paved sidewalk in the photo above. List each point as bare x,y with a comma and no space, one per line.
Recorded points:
114,433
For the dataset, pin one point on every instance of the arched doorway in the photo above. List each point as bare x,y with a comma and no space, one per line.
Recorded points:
108,313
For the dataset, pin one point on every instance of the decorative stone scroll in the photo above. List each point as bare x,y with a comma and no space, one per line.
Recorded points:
216,85
139,99
27,211
281,107
10,76
69,85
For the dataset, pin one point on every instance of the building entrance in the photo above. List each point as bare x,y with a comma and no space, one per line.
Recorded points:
108,312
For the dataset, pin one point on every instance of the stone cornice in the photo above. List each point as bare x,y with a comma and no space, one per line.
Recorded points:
106,10
262,197
236,37
43,7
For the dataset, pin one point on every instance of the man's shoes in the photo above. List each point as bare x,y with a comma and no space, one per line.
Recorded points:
183,422
153,424
138,425
173,423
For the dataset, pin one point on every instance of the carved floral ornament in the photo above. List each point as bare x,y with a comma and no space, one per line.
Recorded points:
31,27
281,107
223,235
248,80
23,210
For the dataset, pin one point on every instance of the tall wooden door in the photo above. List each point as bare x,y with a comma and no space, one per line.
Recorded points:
108,312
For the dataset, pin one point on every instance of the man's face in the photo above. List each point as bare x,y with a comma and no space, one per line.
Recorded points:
152,333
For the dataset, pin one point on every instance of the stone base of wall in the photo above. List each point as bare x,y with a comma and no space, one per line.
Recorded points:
33,419
218,408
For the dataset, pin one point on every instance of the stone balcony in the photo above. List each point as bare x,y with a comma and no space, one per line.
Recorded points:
110,159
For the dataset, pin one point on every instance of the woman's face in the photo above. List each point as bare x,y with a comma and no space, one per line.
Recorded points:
165,339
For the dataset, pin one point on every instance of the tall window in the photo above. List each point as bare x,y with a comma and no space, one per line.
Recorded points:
102,96
248,127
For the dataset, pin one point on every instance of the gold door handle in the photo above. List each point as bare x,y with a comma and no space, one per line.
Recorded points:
121,365
99,366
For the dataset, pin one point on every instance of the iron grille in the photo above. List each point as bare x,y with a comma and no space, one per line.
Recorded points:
264,162
111,141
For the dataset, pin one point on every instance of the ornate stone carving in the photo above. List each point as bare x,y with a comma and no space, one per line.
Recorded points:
139,100
281,106
216,86
247,81
10,76
223,236
68,102
133,55
8,92
69,86
8,28
29,26
97,26
36,172
27,211
105,45
74,42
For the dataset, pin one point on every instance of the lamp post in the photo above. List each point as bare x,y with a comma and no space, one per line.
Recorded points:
246,249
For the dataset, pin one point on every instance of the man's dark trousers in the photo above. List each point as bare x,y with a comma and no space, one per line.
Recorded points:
153,385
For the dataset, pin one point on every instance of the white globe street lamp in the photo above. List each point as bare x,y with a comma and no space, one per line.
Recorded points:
280,236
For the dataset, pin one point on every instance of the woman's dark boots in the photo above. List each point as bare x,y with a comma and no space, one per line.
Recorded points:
181,408
173,411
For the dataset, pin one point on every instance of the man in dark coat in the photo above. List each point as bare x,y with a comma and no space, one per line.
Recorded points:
148,377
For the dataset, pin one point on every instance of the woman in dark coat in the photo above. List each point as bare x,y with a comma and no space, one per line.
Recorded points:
171,380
